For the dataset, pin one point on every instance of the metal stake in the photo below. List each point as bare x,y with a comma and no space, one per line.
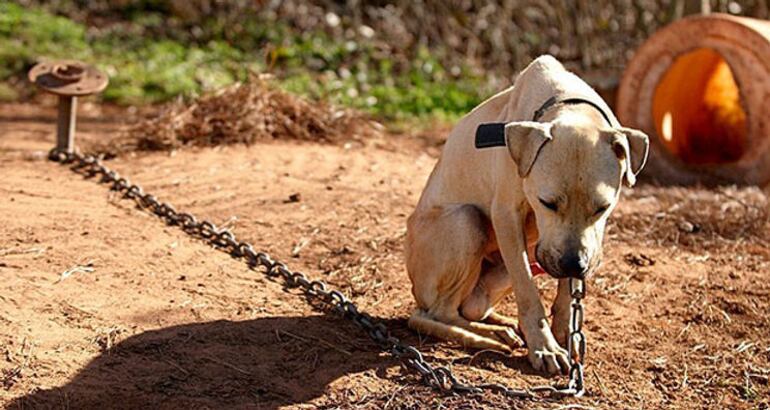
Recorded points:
65,127
68,79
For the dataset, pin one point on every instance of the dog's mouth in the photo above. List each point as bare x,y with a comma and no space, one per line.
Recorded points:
534,266
532,243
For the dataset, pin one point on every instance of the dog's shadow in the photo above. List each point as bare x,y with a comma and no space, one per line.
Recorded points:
261,363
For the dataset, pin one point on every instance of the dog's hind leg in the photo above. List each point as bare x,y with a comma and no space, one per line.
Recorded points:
502,320
465,335
445,248
494,284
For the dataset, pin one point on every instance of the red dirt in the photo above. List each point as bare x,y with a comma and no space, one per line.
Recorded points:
677,316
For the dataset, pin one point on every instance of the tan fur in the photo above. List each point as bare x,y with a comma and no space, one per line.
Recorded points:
473,233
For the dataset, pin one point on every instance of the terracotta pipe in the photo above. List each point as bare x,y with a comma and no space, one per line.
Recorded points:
700,88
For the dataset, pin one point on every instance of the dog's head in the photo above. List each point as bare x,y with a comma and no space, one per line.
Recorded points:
572,170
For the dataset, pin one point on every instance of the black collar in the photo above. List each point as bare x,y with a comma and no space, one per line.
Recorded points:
553,101
493,134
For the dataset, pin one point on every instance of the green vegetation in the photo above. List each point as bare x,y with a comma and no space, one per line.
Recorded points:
148,63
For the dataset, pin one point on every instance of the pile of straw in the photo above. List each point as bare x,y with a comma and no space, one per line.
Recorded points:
244,113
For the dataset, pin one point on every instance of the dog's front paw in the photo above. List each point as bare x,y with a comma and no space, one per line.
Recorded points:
509,337
545,354
550,358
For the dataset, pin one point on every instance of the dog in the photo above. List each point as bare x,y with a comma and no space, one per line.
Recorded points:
526,180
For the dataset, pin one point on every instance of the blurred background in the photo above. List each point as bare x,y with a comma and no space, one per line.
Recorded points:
394,59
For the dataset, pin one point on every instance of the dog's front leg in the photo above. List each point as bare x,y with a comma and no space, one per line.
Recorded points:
544,351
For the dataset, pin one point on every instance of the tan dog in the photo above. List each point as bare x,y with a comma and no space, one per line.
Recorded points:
487,214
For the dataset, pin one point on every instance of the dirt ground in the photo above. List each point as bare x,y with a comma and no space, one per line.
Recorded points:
104,306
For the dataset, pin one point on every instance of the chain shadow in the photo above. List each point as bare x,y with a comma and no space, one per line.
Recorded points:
262,363
489,360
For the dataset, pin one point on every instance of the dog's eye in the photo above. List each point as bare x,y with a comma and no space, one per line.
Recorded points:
601,210
550,205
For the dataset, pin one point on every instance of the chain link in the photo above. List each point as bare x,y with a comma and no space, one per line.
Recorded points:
440,378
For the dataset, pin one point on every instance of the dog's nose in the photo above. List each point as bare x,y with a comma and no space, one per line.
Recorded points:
573,266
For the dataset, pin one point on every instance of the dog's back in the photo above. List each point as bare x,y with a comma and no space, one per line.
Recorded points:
543,78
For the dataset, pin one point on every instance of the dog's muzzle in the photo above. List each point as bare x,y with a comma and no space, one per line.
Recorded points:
572,265
568,265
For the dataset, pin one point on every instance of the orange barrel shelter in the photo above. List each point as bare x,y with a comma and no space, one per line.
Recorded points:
700,88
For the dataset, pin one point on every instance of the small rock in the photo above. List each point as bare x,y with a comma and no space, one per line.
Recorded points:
688,227
296,197
639,259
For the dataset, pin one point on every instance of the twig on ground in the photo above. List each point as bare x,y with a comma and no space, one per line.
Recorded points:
324,342
180,368
299,246
16,251
599,380
230,365
230,223
9,377
88,267
684,378
392,396
470,362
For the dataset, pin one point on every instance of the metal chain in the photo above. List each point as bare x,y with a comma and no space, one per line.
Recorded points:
440,378
576,344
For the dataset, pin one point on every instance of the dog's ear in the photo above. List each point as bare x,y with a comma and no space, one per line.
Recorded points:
525,139
631,146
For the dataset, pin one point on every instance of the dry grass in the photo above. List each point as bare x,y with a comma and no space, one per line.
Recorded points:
20,363
693,219
243,113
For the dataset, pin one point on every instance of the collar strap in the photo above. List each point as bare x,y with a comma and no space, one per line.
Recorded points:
493,134
553,101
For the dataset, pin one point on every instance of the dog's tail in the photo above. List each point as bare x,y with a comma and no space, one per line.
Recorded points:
422,322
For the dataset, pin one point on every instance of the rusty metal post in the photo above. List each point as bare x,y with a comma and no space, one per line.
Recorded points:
68,80
65,126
